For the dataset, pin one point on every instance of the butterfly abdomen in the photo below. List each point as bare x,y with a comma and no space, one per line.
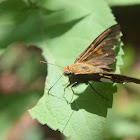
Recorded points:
126,79
116,78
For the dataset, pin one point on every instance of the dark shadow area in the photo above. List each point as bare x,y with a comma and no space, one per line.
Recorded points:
92,102
128,18
49,133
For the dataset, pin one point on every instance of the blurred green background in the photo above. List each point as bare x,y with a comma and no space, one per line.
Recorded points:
22,77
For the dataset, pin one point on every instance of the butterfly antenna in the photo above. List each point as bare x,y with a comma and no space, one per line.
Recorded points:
54,83
50,64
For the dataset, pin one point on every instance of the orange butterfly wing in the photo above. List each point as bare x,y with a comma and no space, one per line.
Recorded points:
100,53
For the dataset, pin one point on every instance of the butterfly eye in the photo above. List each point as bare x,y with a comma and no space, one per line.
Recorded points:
67,73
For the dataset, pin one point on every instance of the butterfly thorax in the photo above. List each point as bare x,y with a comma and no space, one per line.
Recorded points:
80,68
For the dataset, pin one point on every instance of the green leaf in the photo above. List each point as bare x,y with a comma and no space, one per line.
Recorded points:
123,2
64,39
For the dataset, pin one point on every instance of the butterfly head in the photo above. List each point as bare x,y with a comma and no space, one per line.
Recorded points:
66,71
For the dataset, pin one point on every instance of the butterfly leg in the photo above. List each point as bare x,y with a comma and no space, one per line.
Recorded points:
66,87
75,84
97,91
64,92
